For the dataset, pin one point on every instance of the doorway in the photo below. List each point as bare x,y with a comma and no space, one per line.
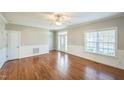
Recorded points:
62,41
13,44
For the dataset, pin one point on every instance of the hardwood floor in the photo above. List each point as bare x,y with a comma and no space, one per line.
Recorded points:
57,66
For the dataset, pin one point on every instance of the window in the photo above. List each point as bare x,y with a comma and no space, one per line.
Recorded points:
101,42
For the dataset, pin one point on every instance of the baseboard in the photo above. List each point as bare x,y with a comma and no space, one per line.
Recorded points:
27,51
117,62
33,55
89,60
78,51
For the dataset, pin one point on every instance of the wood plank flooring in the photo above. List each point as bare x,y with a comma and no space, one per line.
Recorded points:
58,66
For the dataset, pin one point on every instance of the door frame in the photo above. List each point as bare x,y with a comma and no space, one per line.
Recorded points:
19,43
58,41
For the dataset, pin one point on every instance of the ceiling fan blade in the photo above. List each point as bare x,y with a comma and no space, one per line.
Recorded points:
51,16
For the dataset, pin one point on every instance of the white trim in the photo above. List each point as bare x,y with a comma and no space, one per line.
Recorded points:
2,56
117,62
95,21
62,33
27,51
58,40
99,30
3,18
19,49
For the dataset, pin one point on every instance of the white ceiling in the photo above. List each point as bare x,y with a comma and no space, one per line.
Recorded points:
45,19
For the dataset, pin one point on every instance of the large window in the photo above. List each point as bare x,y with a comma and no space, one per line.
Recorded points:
101,42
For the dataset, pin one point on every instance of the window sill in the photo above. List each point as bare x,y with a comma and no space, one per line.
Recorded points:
115,57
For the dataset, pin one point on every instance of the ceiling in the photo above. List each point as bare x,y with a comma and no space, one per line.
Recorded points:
46,19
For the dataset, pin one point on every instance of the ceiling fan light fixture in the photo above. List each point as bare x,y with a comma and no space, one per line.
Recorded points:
60,18
58,23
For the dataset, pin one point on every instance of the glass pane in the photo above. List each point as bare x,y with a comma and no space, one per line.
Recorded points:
107,42
101,42
90,42
107,36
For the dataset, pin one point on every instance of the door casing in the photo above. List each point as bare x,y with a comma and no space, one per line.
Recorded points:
16,45
62,41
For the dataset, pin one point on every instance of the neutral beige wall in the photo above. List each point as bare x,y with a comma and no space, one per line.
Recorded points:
30,35
34,38
75,34
2,34
55,40
51,40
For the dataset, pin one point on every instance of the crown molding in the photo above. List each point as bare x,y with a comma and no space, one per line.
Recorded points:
3,18
94,21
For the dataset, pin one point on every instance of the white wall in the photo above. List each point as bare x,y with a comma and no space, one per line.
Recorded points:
117,62
3,41
27,51
3,58
76,41
31,38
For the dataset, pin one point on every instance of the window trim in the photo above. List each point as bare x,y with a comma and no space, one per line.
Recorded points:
99,30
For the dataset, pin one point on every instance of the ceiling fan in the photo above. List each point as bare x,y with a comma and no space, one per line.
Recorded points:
60,18
57,18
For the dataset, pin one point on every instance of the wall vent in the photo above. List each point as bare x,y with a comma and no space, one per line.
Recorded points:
35,50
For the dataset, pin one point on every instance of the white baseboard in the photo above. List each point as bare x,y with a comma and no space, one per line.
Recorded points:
51,49
27,51
117,62
2,56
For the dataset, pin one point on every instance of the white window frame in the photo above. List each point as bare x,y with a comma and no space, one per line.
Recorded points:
98,30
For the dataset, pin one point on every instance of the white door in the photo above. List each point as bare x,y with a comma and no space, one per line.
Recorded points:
13,44
62,41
